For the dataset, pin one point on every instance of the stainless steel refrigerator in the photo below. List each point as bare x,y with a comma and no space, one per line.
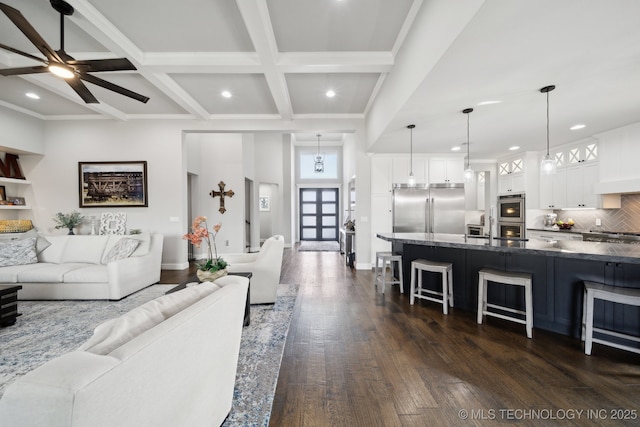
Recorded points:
434,208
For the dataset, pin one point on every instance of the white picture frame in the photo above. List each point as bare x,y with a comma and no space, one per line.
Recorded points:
265,204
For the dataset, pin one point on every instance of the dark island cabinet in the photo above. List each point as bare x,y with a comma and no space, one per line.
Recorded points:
513,296
461,295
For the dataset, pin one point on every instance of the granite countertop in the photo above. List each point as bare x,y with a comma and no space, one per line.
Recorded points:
613,252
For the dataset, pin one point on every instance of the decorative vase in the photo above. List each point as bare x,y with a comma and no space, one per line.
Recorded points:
71,230
210,276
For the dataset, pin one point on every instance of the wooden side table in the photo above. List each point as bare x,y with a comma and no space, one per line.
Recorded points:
194,278
9,304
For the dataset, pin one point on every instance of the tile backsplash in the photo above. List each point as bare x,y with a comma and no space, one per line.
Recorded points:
627,218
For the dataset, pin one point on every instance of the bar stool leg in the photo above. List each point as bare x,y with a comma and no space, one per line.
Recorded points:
384,276
588,342
529,309
401,277
481,296
445,293
450,280
376,272
412,287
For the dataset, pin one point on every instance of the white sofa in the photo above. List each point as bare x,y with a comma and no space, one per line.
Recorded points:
265,266
180,372
78,267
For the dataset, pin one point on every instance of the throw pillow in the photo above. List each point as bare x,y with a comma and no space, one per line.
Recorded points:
123,249
18,252
41,242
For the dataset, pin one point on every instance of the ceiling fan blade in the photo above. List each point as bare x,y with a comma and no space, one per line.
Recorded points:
82,90
24,70
94,65
23,25
113,87
19,52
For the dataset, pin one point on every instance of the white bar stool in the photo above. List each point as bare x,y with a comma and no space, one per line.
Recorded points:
445,269
508,278
380,274
593,291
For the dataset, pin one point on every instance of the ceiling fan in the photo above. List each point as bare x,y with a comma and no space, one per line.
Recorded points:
60,63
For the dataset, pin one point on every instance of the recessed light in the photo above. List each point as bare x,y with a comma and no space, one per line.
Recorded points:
32,95
489,102
226,94
330,93
578,126
514,147
456,148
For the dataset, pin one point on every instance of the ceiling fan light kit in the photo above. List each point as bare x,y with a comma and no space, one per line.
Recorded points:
60,63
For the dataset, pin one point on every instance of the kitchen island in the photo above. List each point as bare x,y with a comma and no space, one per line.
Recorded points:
558,268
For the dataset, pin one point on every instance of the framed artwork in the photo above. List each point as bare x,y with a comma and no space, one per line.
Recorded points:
265,203
112,184
113,223
3,193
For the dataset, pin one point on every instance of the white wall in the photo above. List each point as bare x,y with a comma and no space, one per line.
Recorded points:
54,176
20,133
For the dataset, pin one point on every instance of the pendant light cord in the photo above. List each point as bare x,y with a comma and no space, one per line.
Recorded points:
468,141
547,123
410,127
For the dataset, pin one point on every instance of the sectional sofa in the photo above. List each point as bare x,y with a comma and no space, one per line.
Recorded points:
169,362
80,267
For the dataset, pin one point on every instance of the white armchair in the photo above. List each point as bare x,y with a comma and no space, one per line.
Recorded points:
265,266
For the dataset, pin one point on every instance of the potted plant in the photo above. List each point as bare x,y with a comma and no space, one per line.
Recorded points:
69,221
214,266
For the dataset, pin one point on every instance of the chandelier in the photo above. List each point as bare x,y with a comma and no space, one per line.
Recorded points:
318,165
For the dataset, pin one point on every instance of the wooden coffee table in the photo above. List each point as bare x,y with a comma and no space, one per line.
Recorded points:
9,304
194,278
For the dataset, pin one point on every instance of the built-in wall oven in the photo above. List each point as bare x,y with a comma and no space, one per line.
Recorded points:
511,208
511,230
511,216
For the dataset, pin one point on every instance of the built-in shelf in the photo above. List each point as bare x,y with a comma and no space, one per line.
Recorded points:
14,181
14,207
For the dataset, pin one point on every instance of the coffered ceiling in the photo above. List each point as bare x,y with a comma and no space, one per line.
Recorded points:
278,59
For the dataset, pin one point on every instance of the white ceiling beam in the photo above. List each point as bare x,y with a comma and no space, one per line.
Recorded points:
335,62
90,20
255,15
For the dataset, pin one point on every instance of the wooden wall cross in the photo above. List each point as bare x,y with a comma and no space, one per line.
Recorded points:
222,195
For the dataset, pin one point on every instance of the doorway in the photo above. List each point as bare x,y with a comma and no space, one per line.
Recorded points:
319,210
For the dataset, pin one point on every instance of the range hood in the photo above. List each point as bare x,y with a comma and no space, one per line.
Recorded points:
617,187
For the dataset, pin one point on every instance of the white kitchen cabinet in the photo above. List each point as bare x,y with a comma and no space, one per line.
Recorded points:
619,154
579,188
446,170
553,191
401,167
381,175
511,178
381,222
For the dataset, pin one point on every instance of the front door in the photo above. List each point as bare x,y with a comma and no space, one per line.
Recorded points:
319,214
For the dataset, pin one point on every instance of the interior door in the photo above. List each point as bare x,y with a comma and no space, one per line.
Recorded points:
319,210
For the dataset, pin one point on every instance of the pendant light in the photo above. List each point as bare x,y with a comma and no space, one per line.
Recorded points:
319,162
469,174
548,164
412,179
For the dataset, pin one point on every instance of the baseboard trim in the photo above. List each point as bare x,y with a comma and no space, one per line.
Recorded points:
175,266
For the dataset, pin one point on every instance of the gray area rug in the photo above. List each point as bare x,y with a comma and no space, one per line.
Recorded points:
48,329
309,246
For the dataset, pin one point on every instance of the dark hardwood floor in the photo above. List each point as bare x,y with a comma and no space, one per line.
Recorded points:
357,358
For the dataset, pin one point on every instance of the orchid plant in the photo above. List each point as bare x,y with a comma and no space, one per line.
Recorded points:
200,232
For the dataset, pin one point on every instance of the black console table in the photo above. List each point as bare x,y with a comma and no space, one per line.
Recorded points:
9,304
194,278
